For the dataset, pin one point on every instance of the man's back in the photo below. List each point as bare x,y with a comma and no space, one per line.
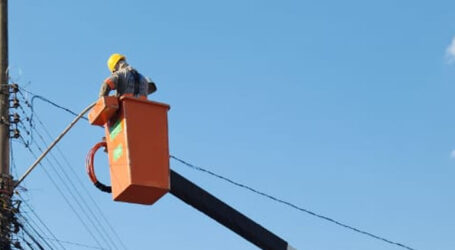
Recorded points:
126,81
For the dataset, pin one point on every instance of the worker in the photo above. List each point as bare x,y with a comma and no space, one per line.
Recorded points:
125,79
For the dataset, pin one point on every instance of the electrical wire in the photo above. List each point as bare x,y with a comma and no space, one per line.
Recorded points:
76,244
87,228
35,96
40,231
37,231
27,243
86,192
69,180
31,223
291,205
53,144
39,219
75,194
83,208
259,192
28,221
32,238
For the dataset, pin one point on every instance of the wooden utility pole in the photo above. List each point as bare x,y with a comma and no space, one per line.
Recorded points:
5,177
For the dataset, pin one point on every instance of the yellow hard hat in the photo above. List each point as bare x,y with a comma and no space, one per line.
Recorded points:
113,60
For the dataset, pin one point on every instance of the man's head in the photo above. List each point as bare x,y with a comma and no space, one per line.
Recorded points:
113,61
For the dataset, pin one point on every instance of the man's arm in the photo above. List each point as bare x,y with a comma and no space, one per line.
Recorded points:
104,90
106,87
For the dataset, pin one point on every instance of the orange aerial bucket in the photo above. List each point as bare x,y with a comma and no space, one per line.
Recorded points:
137,144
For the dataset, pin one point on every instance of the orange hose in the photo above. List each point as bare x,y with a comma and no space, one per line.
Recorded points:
90,160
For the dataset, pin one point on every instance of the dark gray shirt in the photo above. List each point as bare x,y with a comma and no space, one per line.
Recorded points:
127,81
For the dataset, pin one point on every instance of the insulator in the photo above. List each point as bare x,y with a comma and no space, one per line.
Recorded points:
15,103
14,87
16,118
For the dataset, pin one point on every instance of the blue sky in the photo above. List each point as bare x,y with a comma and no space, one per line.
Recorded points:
343,108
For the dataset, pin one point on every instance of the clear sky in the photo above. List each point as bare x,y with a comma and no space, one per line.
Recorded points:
341,107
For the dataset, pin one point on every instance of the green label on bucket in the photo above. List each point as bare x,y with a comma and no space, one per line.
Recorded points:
118,152
115,129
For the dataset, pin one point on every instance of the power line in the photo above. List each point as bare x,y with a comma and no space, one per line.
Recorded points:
74,192
35,231
83,205
31,223
76,244
53,238
39,219
28,243
87,228
44,127
32,238
256,191
54,143
35,96
291,205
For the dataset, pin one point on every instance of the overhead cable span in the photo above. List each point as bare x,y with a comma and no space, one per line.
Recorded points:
81,115
292,205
